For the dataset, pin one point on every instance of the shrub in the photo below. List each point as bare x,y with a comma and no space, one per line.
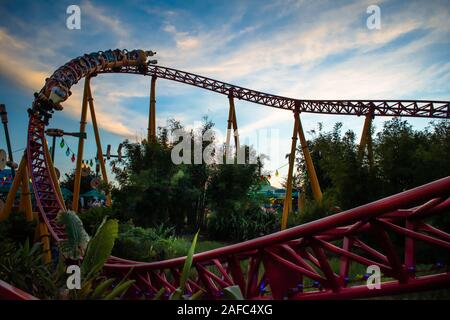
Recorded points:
148,244
241,224
314,211
93,217
17,229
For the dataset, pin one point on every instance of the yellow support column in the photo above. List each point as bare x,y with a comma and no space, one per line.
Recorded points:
151,136
76,188
287,207
229,126
234,122
365,136
315,186
44,237
99,144
13,191
25,196
53,176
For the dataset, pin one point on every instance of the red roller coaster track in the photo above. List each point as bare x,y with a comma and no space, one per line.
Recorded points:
291,264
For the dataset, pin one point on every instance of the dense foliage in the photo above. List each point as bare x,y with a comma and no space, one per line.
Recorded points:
189,196
403,158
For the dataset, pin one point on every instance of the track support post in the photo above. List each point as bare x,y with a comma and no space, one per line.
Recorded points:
366,139
232,125
25,196
77,184
99,144
315,186
287,207
13,190
53,176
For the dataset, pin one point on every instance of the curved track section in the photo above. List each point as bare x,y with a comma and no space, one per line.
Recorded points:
298,263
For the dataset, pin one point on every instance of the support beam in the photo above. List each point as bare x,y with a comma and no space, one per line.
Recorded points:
366,139
25,196
234,121
287,207
229,128
315,186
232,126
53,176
77,184
151,136
13,191
99,144
44,238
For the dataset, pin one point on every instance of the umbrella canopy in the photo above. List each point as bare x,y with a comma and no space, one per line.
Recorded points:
66,193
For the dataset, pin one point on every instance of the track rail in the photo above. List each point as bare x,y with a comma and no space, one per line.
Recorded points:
293,264
400,108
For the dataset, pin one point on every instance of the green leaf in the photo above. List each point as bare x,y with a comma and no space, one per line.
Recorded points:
100,246
233,293
176,295
101,288
188,264
117,291
77,238
159,294
197,295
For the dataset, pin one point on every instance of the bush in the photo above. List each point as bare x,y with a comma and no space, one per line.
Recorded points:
242,223
22,266
93,217
17,229
314,211
148,244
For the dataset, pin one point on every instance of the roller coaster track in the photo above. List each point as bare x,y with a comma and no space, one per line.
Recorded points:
403,108
297,263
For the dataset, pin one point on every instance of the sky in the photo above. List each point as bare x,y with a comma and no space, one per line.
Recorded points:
300,49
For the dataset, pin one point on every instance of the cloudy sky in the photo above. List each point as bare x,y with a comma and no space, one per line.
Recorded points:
300,49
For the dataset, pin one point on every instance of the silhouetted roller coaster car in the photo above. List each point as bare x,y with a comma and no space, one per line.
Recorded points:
98,58
109,56
85,65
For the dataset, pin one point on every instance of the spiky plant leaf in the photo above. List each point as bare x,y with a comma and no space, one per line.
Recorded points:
100,247
119,290
233,293
197,295
77,238
101,288
188,263
159,294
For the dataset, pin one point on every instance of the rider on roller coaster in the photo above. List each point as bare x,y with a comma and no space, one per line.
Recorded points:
57,87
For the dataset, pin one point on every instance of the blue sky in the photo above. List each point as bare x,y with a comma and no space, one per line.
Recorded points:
300,49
